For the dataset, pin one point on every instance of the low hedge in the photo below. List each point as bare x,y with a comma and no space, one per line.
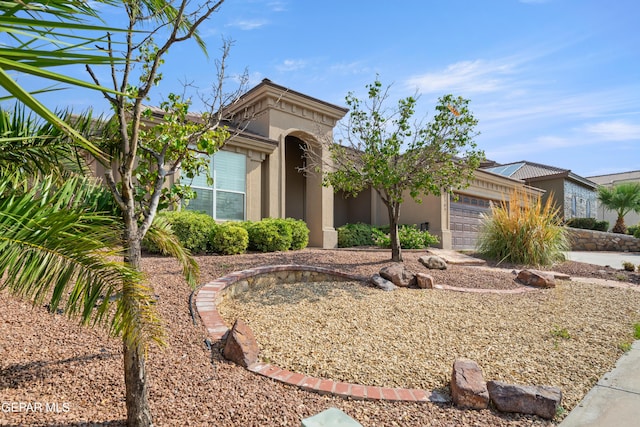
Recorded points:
229,238
588,224
193,230
299,233
410,237
269,235
199,233
360,234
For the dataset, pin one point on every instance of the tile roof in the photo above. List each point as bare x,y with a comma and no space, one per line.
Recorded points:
524,170
529,171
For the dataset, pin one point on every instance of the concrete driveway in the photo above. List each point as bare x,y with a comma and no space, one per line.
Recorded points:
612,259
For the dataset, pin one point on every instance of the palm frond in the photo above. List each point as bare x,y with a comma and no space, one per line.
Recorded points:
162,237
54,248
30,146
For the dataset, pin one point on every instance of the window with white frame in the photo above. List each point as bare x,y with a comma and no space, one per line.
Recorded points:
226,198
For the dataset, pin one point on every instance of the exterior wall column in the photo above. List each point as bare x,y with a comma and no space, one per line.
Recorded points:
254,186
319,211
274,184
444,232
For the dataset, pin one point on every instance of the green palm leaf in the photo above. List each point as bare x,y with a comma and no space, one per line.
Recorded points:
64,29
54,248
161,236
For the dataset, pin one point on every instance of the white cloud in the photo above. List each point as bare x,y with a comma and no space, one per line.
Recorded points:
350,68
292,65
467,77
614,130
248,24
277,6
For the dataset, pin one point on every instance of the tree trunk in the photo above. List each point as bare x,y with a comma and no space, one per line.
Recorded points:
135,373
620,227
396,250
135,378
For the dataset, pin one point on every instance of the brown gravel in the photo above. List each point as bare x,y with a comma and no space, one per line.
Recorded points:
47,358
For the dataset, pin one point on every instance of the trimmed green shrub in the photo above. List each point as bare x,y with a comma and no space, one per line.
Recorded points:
602,226
523,231
193,230
269,235
633,230
637,233
588,224
351,235
410,237
299,233
583,223
229,238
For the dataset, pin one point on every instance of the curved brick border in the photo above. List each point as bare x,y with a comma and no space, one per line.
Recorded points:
212,293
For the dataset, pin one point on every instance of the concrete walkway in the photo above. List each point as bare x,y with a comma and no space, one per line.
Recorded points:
612,259
615,400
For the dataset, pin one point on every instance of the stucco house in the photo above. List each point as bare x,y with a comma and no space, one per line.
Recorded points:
574,195
256,175
610,180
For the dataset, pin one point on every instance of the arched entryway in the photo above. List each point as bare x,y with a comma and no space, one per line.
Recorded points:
304,197
295,179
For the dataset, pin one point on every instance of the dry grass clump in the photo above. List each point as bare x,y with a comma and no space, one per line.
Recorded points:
523,231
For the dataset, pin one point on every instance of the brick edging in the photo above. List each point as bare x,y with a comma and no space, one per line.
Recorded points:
210,294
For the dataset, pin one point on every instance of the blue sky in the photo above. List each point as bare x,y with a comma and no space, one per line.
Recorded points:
550,81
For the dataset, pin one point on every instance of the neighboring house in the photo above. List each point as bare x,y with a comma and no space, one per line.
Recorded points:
610,180
574,195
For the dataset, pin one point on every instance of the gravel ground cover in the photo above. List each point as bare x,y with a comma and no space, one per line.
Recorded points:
47,358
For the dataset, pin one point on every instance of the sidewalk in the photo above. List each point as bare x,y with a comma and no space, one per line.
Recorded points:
615,400
612,259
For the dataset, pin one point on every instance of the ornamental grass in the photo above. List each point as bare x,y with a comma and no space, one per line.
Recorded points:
523,230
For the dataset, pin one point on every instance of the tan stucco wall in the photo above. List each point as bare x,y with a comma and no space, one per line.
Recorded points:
436,209
275,113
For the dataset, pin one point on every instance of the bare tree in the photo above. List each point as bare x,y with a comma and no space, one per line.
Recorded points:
149,149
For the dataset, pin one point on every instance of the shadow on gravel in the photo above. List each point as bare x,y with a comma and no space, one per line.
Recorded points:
17,375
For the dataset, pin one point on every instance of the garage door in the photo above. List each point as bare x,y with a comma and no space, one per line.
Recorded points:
466,214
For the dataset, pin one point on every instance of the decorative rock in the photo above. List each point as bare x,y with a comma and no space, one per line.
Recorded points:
539,279
424,281
383,283
433,262
398,274
536,400
241,346
468,389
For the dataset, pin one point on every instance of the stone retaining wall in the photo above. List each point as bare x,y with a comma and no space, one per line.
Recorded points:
271,275
591,240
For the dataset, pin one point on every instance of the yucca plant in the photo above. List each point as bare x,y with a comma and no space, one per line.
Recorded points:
523,231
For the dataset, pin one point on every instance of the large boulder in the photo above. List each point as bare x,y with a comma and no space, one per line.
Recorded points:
383,283
424,281
543,401
398,274
536,278
468,389
241,346
433,262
